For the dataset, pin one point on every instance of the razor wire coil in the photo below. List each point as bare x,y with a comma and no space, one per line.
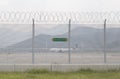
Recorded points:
60,17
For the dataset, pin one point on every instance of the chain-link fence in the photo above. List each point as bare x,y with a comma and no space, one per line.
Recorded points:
54,37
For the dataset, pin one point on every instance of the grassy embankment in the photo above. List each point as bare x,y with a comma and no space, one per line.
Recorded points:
44,74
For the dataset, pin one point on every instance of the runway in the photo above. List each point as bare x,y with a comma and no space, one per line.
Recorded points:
59,58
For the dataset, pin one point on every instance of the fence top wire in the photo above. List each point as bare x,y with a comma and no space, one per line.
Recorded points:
59,17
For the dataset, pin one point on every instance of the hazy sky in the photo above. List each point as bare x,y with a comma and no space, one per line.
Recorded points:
60,5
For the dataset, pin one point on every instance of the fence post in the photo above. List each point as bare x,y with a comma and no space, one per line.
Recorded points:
105,41
33,41
69,42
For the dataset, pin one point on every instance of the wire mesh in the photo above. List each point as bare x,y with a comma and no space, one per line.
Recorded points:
87,37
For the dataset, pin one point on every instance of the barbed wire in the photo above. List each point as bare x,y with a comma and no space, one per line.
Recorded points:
60,17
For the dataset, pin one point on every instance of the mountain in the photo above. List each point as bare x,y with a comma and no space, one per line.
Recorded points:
84,38
15,33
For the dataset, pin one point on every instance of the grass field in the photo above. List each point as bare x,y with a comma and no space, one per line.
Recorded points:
44,74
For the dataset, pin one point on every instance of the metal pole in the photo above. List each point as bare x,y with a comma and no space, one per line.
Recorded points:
33,37
105,41
69,42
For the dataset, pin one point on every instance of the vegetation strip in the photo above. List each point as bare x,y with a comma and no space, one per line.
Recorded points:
45,74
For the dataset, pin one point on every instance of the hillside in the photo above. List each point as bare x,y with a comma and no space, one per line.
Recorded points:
81,37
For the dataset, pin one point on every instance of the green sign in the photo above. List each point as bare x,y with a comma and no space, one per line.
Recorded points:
59,39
